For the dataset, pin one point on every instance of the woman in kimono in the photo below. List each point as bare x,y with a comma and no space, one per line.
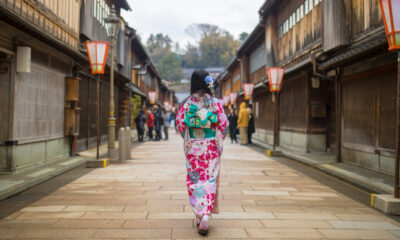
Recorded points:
202,122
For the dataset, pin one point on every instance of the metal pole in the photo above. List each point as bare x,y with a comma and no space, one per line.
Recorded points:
274,98
98,115
338,102
396,170
111,119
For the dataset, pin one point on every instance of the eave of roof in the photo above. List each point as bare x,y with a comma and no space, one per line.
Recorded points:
136,43
125,5
254,36
264,9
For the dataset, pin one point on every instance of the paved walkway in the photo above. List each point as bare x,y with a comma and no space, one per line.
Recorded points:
146,198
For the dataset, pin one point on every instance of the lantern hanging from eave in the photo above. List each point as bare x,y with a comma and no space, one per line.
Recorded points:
232,98
226,101
275,77
166,105
152,97
248,89
97,52
390,10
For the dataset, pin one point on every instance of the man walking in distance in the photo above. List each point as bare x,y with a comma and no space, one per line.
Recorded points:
251,128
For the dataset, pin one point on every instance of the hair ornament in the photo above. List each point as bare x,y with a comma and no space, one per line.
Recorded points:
210,81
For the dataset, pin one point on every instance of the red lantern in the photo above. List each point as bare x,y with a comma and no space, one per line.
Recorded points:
166,104
226,101
97,52
232,98
275,77
152,97
248,89
390,10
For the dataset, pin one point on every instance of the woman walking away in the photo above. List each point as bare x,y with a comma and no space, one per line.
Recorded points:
140,121
243,123
232,117
150,124
202,122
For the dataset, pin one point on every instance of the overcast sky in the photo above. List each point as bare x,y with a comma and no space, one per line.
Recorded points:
172,17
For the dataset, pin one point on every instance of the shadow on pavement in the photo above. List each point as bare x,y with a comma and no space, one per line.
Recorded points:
338,185
27,197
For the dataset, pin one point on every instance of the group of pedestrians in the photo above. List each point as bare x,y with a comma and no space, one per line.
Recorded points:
242,124
156,120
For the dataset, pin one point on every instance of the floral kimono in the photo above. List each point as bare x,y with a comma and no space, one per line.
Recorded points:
203,124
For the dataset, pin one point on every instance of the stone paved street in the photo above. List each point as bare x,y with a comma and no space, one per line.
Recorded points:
146,198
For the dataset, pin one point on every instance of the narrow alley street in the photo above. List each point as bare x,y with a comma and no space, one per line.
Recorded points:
146,198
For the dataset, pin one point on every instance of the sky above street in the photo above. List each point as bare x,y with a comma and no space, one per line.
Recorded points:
172,17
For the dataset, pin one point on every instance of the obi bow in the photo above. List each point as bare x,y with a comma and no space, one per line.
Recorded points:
202,118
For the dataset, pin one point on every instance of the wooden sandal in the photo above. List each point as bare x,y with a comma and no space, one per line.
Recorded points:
203,226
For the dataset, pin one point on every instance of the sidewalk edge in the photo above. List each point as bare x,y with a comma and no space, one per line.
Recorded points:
14,190
358,181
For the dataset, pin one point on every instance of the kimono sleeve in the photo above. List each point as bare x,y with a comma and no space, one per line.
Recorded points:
180,117
223,122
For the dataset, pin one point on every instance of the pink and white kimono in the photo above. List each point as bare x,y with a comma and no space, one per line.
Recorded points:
202,153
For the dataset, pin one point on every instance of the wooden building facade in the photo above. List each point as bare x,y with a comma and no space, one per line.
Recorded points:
338,93
39,42
49,105
93,27
366,83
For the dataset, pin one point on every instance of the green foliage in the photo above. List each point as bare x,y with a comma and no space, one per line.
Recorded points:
191,59
136,102
216,46
243,36
168,62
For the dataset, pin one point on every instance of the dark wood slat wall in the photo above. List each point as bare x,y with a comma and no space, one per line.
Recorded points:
265,119
365,16
5,82
369,110
293,103
306,33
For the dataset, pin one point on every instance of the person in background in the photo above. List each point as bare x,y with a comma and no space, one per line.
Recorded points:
251,128
150,124
158,119
232,117
173,117
167,118
140,122
243,123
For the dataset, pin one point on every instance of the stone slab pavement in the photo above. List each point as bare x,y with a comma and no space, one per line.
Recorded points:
146,198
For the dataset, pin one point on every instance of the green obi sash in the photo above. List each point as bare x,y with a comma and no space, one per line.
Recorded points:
200,121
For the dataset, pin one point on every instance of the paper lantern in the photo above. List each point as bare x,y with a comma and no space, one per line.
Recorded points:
232,98
226,101
275,77
97,52
390,10
248,89
152,97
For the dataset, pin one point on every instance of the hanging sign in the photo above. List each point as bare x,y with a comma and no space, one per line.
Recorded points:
152,97
248,89
257,109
